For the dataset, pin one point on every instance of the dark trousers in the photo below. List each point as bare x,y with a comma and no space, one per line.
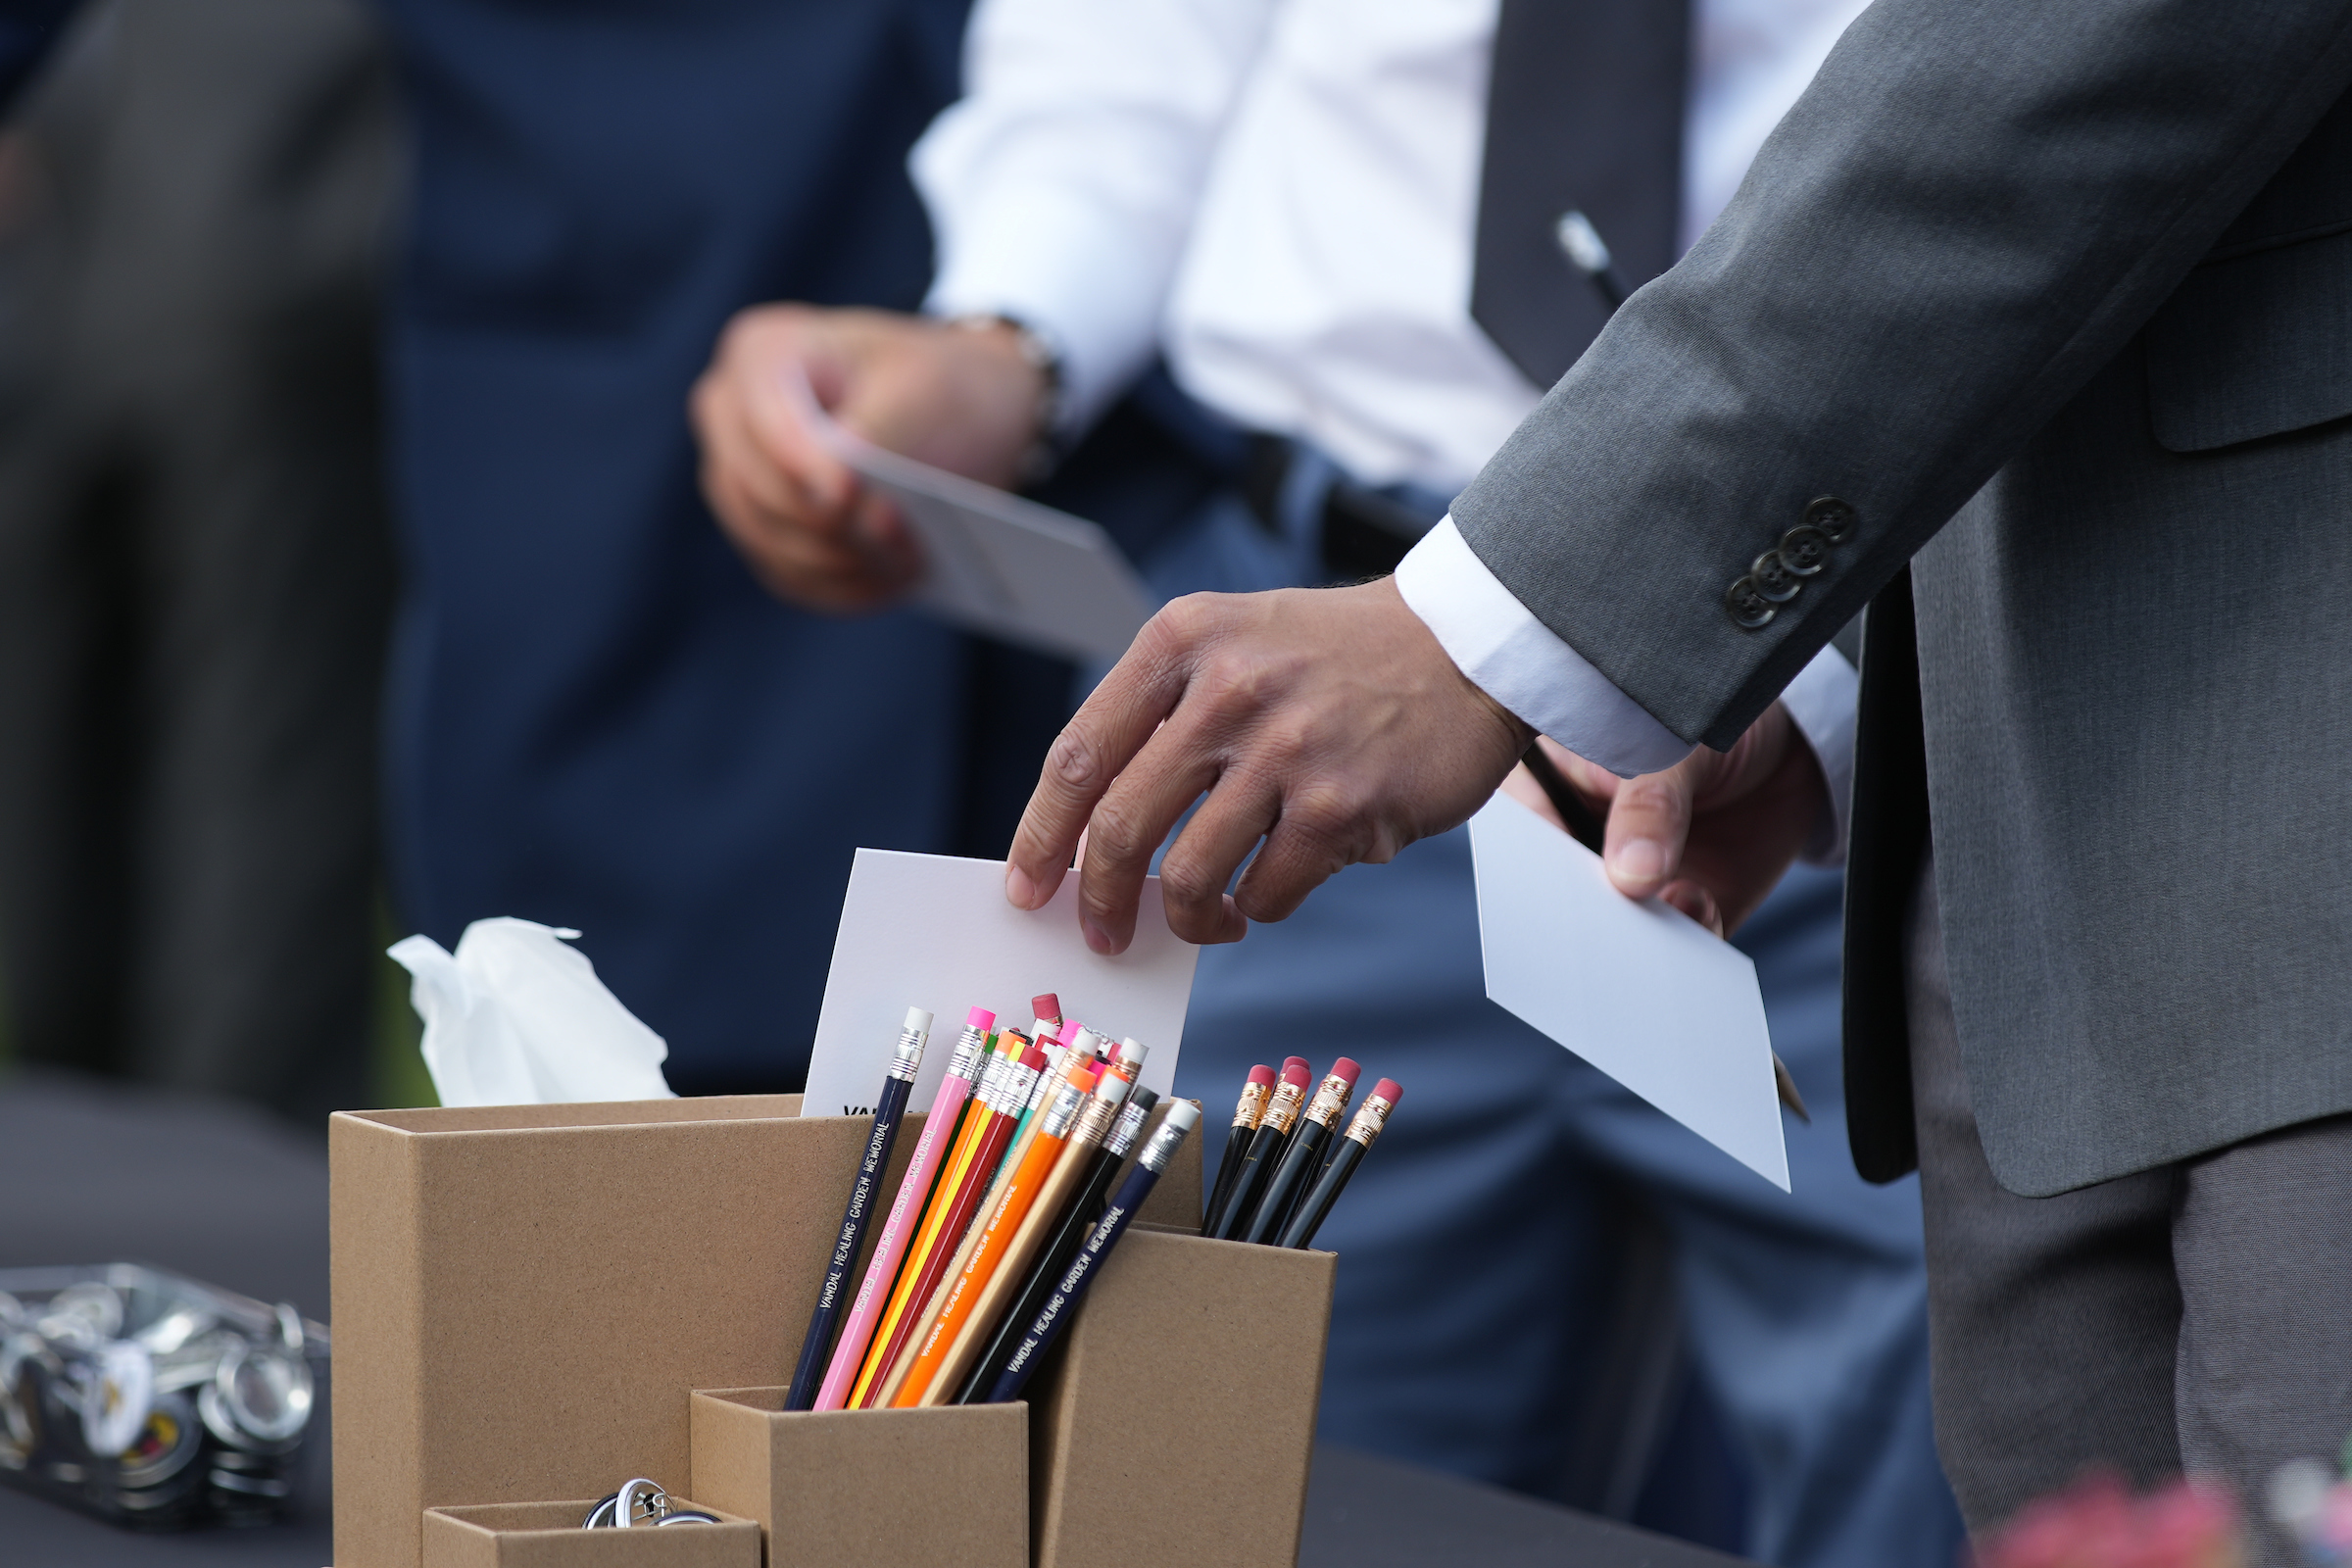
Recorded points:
2187,1318
194,560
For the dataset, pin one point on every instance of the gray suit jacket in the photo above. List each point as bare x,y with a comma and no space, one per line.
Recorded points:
2057,301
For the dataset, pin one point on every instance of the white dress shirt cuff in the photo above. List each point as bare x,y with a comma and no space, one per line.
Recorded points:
1042,268
1822,699
1519,661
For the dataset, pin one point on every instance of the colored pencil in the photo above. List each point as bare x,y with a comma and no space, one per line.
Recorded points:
1069,1096
890,1109
1004,1081
1054,1258
1055,1316
1051,1174
940,1124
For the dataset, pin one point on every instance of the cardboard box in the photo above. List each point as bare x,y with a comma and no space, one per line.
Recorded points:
869,1489
1179,1423
548,1535
524,1297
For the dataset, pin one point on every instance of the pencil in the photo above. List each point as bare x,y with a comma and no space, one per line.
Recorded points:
1055,1316
1054,1258
1061,1111
898,1082
1256,1092
1303,1155
1265,1149
1014,1233
1369,1120
1004,1079
1058,1055
940,1126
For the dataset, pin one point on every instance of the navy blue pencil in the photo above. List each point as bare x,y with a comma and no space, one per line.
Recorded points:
888,1112
1054,1315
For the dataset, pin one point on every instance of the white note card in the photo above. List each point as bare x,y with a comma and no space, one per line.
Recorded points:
997,563
934,931
1640,991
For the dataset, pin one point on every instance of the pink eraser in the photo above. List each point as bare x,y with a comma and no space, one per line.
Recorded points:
1046,1005
1294,1071
1346,1069
980,1018
1033,1058
1300,1062
1388,1088
1069,1030
1261,1075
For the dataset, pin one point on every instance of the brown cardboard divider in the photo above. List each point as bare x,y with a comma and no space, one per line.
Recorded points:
869,1489
1178,1421
548,1535
523,1296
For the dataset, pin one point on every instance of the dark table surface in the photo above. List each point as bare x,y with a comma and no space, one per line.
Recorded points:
94,1174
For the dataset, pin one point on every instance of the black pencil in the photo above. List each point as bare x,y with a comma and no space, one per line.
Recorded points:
889,1112
1315,1207
1071,1288
1070,1233
1303,1155
1265,1151
1245,1117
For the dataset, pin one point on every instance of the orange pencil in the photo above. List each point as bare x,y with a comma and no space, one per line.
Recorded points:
988,1292
931,1366
1069,1095
955,1174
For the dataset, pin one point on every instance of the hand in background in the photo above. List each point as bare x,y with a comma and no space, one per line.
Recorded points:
1713,834
960,397
1327,721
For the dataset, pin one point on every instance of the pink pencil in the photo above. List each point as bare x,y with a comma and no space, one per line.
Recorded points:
849,1351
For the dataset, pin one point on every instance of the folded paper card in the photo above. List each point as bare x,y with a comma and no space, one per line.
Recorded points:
934,931
998,564
1640,991
517,1018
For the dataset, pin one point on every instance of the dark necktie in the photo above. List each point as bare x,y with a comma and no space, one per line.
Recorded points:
1584,113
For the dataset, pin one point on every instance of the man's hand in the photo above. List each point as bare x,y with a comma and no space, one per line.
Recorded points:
1327,721
959,398
1713,834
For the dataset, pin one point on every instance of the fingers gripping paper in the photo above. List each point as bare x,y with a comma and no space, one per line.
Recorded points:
934,931
1640,991
995,562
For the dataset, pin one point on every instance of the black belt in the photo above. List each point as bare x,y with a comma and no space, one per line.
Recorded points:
1364,531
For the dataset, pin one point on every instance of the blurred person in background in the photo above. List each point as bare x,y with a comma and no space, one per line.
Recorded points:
195,564
1341,225
598,718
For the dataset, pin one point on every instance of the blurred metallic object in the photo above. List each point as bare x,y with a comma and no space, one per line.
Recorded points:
150,1399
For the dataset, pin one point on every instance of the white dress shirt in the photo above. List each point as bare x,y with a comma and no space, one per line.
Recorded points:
1282,196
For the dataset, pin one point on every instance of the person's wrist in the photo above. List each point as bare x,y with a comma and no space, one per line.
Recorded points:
1038,354
1522,734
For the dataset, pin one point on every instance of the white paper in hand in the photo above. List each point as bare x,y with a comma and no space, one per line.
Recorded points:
1016,570
515,1017
1640,991
934,931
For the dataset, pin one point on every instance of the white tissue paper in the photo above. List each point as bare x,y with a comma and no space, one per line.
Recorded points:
515,1017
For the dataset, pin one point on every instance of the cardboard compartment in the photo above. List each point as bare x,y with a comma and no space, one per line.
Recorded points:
524,1297
1178,1423
548,1535
869,1489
